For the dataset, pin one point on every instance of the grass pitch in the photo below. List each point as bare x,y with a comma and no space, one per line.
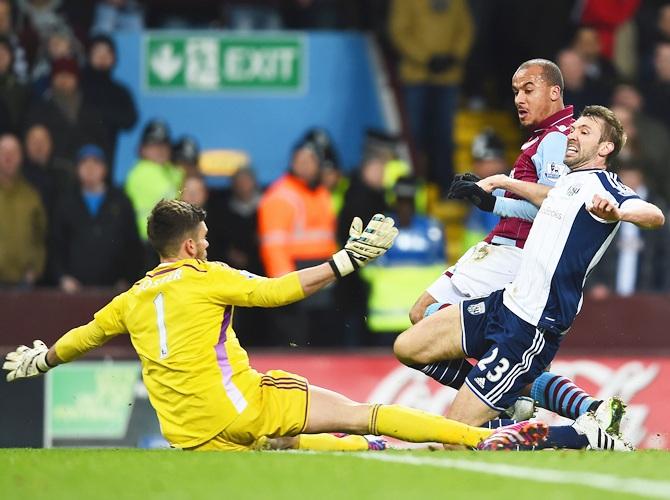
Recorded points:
119,474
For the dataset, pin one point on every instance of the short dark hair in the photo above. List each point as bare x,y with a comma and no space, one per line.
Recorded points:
612,128
550,71
169,222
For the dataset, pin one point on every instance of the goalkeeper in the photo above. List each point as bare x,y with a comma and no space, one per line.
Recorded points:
205,393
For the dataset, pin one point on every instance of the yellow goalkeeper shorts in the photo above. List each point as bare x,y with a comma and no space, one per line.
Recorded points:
278,407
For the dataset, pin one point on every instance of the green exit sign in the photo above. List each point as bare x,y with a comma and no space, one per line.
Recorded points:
204,62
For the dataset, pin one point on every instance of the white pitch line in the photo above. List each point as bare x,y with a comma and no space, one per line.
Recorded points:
636,486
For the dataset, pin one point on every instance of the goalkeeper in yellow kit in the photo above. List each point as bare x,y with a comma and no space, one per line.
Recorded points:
205,393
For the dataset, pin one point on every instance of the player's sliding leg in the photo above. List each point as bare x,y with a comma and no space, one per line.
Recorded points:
332,412
549,391
561,395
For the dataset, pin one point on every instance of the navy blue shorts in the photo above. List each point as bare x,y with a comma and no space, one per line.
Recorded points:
511,352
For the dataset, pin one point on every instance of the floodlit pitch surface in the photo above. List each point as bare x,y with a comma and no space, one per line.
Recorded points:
119,474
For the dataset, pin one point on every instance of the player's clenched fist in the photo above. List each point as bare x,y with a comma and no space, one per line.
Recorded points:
604,208
364,245
27,362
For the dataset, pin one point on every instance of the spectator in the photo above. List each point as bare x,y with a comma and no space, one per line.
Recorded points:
657,91
395,279
153,177
252,15
22,220
294,234
7,31
38,169
60,43
186,155
488,153
329,161
433,40
36,19
94,239
112,99
234,235
364,198
600,71
296,226
651,148
314,14
606,16
637,262
234,240
578,90
195,191
653,28
14,95
117,15
71,122
648,143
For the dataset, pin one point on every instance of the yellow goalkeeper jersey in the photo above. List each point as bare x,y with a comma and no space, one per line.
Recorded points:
179,317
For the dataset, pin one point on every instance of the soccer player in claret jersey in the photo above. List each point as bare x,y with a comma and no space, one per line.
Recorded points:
205,393
516,332
493,263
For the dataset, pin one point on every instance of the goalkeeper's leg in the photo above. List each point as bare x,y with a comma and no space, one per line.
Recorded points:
333,412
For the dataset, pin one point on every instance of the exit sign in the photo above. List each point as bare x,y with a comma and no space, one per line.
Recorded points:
204,62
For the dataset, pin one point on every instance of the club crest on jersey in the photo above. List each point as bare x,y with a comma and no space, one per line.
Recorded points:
476,309
573,190
554,170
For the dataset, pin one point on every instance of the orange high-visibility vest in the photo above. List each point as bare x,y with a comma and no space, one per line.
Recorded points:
295,223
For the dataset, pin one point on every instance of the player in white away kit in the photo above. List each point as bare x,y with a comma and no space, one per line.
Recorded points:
515,333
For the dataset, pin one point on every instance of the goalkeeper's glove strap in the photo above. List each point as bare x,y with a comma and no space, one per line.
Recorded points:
42,364
342,263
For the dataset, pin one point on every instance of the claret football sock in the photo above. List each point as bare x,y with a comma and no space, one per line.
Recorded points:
418,426
560,395
331,442
451,373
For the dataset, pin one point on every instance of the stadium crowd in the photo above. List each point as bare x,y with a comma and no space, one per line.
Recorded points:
63,224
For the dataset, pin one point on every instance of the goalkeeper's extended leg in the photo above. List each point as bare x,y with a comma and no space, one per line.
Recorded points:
333,412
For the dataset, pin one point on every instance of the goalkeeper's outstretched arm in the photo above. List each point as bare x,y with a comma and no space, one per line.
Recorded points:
28,362
363,246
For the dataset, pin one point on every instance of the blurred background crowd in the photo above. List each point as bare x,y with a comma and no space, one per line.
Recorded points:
64,223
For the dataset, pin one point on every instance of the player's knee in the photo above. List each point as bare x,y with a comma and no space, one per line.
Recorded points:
405,349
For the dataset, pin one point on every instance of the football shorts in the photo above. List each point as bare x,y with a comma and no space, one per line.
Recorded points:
481,270
511,352
277,407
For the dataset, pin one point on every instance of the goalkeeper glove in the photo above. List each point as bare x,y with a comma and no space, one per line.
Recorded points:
468,190
26,362
364,246
467,176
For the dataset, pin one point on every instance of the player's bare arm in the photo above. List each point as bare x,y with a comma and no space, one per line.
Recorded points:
639,212
531,191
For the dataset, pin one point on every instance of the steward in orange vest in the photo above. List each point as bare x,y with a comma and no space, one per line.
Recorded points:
296,220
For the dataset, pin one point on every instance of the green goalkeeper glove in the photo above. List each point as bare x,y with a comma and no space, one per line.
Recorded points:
364,246
26,362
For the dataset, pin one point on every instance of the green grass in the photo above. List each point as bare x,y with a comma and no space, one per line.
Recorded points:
119,474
